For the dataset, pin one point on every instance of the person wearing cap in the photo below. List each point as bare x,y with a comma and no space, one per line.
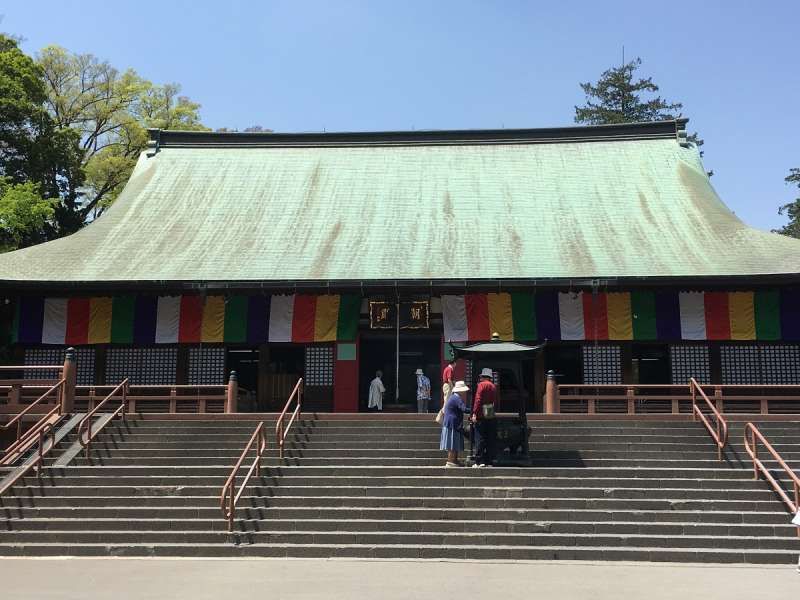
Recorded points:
483,419
423,391
452,438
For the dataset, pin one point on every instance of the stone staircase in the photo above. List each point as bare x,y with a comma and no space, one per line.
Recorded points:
375,487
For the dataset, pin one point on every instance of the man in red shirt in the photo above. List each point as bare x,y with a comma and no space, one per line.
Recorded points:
483,419
447,380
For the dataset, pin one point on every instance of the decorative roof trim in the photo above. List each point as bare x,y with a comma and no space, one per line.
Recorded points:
673,129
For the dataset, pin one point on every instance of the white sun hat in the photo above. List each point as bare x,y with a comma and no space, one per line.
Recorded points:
487,372
460,387
419,372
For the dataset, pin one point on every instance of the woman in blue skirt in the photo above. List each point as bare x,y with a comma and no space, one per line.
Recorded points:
452,438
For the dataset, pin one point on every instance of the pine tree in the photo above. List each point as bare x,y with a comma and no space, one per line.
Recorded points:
792,210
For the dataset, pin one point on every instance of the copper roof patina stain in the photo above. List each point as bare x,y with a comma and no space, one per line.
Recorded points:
600,202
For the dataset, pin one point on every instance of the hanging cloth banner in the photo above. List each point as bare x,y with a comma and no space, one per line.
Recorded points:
187,319
764,315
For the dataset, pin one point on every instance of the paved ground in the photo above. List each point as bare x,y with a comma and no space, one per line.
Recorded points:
123,579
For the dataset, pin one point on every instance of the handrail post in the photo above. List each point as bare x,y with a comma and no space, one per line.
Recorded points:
231,402
551,393
693,390
69,376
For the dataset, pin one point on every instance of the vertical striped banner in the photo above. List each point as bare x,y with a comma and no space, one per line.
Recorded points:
570,315
77,331
190,328
501,320
100,311
620,322
643,315
477,308
548,323
236,320
693,315
742,316
258,308
212,329
790,314
303,318
454,318
767,308
595,316
123,309
144,319
326,318
349,312
718,321
168,318
54,325
524,314
281,314
31,320
668,316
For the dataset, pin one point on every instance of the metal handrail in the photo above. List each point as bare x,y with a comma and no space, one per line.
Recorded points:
280,430
86,422
228,498
718,433
31,367
18,419
40,454
758,465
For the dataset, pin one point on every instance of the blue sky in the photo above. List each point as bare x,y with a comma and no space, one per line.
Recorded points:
356,65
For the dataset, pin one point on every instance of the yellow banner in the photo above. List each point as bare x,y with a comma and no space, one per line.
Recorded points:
100,320
500,316
213,329
742,315
326,318
620,325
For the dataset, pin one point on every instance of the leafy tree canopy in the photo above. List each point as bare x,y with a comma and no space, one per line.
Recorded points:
24,215
619,97
792,210
111,111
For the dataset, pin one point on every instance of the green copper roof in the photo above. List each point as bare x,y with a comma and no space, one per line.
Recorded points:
584,205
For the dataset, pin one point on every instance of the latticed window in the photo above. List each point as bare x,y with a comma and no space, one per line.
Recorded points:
750,364
206,365
143,366
319,366
689,361
602,364
84,360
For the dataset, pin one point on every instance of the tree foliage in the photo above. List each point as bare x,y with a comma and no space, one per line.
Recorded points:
24,215
619,97
792,209
111,111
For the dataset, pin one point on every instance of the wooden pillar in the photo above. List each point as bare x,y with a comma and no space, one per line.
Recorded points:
551,403
231,402
70,376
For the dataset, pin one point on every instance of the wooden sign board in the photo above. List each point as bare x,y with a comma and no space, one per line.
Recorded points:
414,314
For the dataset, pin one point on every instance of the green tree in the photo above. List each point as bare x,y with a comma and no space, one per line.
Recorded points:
32,148
24,215
619,97
792,209
111,111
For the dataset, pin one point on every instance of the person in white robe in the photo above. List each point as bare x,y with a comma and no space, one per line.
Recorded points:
376,391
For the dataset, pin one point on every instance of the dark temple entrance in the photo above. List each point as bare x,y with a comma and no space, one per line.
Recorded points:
378,351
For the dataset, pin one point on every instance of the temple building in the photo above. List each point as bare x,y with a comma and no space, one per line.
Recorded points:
333,255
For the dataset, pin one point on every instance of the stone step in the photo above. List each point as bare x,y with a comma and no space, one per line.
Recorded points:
413,551
354,525
501,499
34,496
393,513
472,539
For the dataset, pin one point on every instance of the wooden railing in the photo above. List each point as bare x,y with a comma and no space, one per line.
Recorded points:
160,398
23,438
282,430
674,399
751,445
229,496
18,391
719,432
85,433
